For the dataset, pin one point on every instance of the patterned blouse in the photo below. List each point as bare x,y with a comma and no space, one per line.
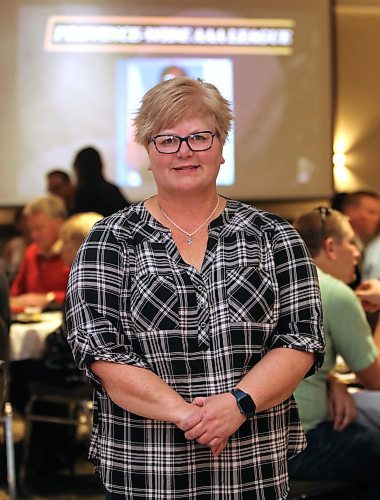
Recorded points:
132,299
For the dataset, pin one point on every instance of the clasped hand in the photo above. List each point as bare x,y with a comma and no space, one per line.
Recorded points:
216,418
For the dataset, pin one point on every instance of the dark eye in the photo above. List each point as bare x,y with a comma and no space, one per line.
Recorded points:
200,137
166,140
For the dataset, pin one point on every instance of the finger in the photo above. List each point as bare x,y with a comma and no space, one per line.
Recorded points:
345,422
204,439
331,410
195,432
218,449
191,421
198,401
214,442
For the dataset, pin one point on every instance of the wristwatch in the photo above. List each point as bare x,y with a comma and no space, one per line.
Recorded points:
245,403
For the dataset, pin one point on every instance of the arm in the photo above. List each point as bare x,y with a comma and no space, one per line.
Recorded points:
18,284
342,406
370,377
369,293
294,347
352,336
142,392
269,383
102,341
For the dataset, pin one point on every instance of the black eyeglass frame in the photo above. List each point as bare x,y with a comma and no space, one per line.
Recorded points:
324,212
184,139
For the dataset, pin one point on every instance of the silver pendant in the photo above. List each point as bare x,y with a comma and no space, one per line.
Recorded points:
189,240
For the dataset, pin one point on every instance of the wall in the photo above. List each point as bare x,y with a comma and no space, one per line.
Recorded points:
357,102
357,116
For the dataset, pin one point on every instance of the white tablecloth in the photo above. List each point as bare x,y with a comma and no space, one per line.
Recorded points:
26,340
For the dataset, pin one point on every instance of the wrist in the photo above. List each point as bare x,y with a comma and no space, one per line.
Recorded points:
244,402
50,297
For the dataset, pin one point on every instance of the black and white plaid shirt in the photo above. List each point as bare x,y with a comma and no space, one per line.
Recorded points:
132,299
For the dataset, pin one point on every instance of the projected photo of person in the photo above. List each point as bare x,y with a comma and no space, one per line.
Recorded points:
134,77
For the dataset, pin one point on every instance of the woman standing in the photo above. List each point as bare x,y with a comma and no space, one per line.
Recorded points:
195,317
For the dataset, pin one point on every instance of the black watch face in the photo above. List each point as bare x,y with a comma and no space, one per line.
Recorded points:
246,404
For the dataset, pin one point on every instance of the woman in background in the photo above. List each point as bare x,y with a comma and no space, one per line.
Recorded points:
93,192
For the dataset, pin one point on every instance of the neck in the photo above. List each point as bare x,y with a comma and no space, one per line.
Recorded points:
188,224
326,265
188,204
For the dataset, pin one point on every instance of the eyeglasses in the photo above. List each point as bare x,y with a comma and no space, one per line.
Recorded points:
324,212
169,144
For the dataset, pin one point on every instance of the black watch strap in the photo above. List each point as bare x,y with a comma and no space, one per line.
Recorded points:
245,403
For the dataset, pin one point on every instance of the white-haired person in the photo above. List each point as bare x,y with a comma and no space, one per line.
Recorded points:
343,442
42,276
56,365
195,317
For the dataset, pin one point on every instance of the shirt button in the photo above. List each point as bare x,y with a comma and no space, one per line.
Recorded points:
201,288
203,324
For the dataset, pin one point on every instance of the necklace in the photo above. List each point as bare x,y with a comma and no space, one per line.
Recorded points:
190,235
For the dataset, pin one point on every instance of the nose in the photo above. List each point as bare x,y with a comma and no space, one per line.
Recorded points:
184,149
357,253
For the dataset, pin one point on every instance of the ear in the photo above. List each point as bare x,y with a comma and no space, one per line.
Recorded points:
329,247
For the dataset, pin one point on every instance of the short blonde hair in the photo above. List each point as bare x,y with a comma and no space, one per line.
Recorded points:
179,98
77,227
51,205
314,231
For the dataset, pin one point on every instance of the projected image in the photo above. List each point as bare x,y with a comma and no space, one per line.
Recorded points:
81,71
137,75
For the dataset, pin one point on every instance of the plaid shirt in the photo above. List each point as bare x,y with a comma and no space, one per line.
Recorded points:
132,299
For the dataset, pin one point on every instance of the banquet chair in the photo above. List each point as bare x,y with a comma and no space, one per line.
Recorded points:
6,418
75,409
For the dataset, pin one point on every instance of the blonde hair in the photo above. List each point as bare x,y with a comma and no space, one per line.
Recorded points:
179,98
51,205
314,231
77,227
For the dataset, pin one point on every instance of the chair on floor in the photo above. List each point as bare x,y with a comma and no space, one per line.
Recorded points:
6,418
72,406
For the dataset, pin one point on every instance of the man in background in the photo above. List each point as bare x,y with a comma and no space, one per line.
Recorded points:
342,433
363,210
59,183
42,276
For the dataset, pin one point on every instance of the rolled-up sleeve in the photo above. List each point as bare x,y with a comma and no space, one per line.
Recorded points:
94,326
300,324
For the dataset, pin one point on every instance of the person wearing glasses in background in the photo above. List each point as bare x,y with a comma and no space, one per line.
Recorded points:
342,442
195,317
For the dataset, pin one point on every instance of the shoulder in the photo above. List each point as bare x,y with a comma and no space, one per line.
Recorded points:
121,226
256,221
342,309
31,251
335,291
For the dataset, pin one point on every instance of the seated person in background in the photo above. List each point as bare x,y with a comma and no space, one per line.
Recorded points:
339,448
93,192
14,248
57,364
59,183
42,276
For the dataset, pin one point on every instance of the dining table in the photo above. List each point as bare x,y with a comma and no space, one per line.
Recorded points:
27,337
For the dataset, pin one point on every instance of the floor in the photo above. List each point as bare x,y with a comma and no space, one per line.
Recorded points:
52,479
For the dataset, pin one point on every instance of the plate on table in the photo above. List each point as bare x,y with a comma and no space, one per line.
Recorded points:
27,318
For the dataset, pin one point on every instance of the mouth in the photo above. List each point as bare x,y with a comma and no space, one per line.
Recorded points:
186,168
